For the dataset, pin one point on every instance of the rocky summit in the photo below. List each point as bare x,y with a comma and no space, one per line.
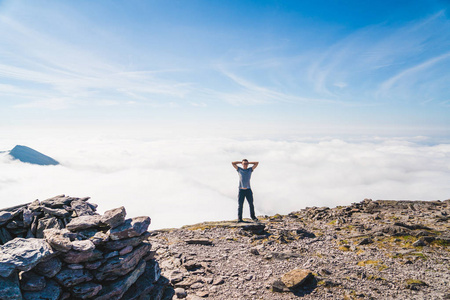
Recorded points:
368,250
61,248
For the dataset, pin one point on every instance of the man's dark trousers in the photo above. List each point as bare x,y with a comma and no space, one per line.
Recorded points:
247,193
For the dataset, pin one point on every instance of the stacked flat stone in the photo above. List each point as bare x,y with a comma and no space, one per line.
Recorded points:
68,251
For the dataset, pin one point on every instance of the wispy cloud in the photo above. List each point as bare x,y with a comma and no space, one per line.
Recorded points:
52,104
412,71
252,93
41,64
370,61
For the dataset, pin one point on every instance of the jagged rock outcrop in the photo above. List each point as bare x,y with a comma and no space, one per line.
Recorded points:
61,248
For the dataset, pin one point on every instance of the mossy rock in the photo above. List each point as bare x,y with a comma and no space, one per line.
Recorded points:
344,248
364,263
415,284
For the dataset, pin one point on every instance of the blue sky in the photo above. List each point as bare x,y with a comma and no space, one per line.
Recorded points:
371,67
351,99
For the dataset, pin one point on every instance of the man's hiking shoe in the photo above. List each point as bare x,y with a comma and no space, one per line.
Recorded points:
255,219
240,220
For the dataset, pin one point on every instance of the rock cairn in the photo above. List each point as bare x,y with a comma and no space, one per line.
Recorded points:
60,248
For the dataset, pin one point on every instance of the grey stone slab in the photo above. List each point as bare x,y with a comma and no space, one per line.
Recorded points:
52,291
49,268
82,208
130,228
84,222
23,254
114,217
117,288
121,265
69,278
120,244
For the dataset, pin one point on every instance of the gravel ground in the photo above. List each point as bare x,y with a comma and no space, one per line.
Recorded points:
368,250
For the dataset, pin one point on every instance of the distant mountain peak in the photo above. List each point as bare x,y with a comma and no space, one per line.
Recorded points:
28,155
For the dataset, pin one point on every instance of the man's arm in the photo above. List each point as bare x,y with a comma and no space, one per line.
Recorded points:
255,164
235,163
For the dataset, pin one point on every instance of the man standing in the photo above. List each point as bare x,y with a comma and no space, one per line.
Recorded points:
245,190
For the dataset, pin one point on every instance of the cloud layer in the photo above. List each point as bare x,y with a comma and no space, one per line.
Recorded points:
180,181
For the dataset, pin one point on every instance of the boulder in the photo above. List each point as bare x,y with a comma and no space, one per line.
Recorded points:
365,241
30,281
49,268
121,265
76,257
117,288
130,228
5,216
58,239
199,242
295,278
68,277
47,223
303,233
145,283
27,216
120,244
176,276
419,243
56,212
82,208
114,217
52,291
57,201
83,246
84,222
180,293
35,206
23,254
99,238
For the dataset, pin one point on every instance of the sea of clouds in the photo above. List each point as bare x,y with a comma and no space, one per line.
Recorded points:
184,180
